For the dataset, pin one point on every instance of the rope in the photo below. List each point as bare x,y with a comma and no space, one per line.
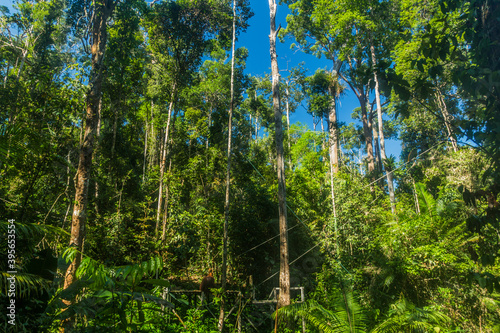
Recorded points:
272,238
399,167
318,243
291,210
293,262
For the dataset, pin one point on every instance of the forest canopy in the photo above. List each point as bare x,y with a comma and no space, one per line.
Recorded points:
138,157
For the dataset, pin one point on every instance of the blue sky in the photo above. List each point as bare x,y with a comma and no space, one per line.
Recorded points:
256,40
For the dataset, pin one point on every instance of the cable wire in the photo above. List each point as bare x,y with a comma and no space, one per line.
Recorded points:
319,242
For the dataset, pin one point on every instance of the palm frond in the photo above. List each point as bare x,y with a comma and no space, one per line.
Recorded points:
406,317
30,230
346,317
25,284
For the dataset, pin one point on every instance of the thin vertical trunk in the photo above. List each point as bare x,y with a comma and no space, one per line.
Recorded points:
415,196
6,75
333,145
210,124
447,117
228,182
284,279
23,60
288,122
287,108
115,108
376,149
359,91
368,134
334,210
14,111
390,180
256,121
153,139
333,132
146,127
103,11
167,197
96,154
164,159
251,126
323,142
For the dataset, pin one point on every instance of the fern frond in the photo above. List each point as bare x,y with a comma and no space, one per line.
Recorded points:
406,317
31,230
347,315
26,284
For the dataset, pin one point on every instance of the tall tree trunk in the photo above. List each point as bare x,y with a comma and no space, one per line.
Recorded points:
152,139
251,128
376,148
7,71
333,131
390,180
447,117
256,127
167,197
288,123
116,108
415,196
164,159
103,10
96,153
209,124
333,145
284,279
359,91
144,161
368,134
228,182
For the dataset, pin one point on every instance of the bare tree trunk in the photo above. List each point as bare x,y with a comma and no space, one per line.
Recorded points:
6,75
153,139
333,132
333,145
164,159
115,108
103,11
284,279
96,153
359,91
288,123
415,197
144,161
23,60
368,133
376,148
390,180
287,109
447,117
210,124
228,182
334,209
167,197
256,127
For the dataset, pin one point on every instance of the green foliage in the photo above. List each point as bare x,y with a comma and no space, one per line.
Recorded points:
24,251
114,298
432,266
341,314
406,317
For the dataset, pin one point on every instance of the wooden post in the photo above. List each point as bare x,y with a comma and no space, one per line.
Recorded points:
302,299
240,296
